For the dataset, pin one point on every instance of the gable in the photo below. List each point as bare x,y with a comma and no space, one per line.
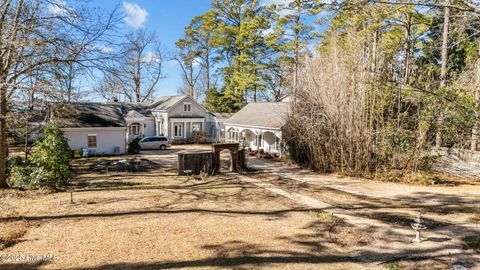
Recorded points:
196,108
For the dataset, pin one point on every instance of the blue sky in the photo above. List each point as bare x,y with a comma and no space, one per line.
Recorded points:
167,18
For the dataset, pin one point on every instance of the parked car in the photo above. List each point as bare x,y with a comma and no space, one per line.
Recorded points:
161,143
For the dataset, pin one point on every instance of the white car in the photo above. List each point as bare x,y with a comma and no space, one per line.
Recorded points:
161,143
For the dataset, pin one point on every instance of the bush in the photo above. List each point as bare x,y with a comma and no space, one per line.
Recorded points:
200,137
13,161
134,146
25,177
52,157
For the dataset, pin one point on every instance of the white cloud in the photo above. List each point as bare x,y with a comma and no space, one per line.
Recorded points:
151,57
136,15
58,8
105,48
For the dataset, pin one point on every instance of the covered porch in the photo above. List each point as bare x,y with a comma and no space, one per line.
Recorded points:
183,129
266,139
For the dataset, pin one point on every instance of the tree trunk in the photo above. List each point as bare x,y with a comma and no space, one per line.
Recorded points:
407,49
297,57
476,127
443,75
207,72
3,136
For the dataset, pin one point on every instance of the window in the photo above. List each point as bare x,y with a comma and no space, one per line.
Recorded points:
178,132
134,129
92,141
233,135
187,107
158,139
196,127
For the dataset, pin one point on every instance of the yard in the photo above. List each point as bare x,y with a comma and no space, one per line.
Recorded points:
157,220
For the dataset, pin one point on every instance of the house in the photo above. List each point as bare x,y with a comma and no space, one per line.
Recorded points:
106,128
258,126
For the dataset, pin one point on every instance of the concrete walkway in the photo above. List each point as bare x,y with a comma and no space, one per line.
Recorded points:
463,194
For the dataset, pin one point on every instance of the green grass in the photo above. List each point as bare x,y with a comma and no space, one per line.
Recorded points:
392,266
325,217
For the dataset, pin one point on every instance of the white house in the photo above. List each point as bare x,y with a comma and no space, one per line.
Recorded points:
258,126
106,128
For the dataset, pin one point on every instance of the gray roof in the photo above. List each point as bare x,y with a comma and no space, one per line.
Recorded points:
167,102
81,115
222,116
134,114
267,115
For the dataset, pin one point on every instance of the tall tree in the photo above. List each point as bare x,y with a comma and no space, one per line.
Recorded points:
297,31
28,44
203,32
187,58
443,73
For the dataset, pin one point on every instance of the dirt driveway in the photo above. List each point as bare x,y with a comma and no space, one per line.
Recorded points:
460,194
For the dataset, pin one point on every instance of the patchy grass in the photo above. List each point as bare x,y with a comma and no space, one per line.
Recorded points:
392,266
472,242
326,217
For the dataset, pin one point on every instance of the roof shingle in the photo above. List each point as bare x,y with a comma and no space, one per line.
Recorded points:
267,115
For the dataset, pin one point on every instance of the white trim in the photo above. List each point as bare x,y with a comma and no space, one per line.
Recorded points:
246,126
189,105
181,100
182,130
96,141
94,128
135,119
181,119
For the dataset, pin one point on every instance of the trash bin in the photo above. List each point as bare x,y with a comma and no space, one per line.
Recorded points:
84,152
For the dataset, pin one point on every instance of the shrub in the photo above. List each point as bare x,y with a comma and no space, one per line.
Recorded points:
200,137
13,161
52,157
25,177
134,146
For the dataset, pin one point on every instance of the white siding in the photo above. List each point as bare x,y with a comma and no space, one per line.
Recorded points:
107,139
196,110
150,127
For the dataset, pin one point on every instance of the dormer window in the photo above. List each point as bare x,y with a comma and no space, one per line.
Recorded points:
187,107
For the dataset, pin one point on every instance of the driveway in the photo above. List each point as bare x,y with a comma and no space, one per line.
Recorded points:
462,194
168,158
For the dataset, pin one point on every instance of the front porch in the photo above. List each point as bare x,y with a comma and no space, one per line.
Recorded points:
183,129
256,139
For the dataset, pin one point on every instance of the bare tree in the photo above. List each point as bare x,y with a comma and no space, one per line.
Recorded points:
137,68
35,34
192,69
